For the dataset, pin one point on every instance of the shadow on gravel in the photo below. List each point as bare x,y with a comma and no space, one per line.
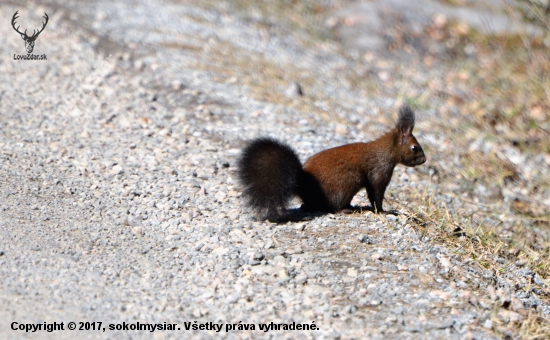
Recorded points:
300,215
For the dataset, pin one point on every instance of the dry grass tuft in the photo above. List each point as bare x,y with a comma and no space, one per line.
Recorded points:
482,245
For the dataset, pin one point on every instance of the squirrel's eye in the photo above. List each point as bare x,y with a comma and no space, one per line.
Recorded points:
414,148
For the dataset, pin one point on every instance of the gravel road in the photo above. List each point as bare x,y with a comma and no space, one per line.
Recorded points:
118,198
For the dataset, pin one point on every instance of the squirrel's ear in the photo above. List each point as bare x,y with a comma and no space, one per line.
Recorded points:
405,125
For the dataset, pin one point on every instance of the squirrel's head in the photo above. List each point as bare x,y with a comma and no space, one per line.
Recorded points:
409,152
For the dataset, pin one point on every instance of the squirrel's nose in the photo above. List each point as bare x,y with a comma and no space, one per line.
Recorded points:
422,160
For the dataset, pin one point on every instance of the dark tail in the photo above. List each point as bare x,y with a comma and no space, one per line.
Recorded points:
268,171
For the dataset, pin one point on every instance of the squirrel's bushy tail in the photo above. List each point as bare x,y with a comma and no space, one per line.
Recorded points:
269,171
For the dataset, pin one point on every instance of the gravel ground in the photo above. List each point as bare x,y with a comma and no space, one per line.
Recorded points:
118,200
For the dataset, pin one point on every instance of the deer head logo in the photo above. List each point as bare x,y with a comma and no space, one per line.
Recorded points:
29,41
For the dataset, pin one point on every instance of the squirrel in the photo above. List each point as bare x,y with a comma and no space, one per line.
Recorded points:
271,173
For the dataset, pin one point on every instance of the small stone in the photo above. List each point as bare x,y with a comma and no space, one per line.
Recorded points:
488,274
446,324
473,300
537,280
466,295
488,324
297,250
301,279
294,90
341,130
445,261
233,298
441,294
350,309
516,304
139,65
258,256
220,251
364,239
509,316
352,272
269,244
300,226
391,218
521,263
484,304
413,328
116,170
280,261
176,85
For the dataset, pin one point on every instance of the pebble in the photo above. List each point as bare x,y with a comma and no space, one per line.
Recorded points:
294,90
391,218
488,324
446,324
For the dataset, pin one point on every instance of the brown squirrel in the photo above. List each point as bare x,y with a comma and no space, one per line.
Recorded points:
270,172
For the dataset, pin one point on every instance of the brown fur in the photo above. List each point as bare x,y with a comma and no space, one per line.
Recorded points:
329,180
343,171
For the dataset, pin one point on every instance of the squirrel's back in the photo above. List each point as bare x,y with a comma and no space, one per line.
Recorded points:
338,174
